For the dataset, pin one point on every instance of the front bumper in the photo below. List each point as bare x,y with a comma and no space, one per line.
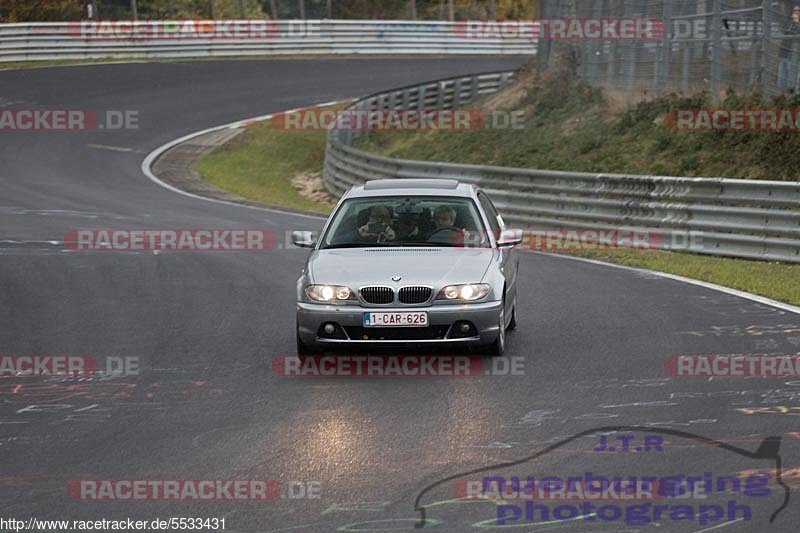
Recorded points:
485,317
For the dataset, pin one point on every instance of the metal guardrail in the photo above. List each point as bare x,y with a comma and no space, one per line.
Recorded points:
729,217
159,39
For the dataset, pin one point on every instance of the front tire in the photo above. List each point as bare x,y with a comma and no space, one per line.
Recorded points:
498,347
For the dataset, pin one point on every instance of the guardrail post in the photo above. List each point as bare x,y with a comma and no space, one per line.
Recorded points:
473,87
687,53
766,48
629,56
544,45
593,48
753,73
716,47
421,96
457,93
440,87
611,66
666,48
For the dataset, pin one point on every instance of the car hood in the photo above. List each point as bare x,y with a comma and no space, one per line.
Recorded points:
357,267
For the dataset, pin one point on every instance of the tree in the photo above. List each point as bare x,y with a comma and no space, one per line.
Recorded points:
199,9
41,10
478,9
60,10
370,9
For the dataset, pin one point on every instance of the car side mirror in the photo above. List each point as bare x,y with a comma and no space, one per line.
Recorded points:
509,238
304,239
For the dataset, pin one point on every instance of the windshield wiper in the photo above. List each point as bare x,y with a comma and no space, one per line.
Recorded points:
432,244
348,245
394,244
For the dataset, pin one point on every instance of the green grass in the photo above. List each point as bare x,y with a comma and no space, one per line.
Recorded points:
572,126
13,65
778,281
262,164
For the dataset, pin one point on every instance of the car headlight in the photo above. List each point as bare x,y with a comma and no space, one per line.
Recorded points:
330,293
468,292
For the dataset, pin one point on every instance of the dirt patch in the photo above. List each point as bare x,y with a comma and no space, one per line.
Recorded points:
310,185
574,123
509,98
513,96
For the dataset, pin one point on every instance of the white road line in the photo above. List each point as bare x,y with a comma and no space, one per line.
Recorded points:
714,287
724,524
112,148
155,154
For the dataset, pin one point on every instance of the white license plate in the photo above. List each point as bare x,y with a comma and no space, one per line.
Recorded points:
399,320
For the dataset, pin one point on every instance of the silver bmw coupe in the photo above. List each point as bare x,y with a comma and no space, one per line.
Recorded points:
409,262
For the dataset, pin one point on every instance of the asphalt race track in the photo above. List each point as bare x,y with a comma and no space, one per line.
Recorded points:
205,326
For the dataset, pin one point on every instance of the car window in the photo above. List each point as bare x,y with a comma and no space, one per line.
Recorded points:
406,221
495,220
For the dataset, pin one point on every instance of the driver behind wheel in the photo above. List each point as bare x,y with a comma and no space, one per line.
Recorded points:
444,217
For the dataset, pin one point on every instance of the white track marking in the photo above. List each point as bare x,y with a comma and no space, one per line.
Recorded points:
724,524
109,147
155,154
714,287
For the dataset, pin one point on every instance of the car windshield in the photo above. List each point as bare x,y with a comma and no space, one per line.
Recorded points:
406,221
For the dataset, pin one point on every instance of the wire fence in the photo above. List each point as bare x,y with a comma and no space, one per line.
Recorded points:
712,45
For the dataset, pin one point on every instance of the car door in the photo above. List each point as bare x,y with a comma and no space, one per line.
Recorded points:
509,262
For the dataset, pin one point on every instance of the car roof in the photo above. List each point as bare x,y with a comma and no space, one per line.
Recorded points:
416,187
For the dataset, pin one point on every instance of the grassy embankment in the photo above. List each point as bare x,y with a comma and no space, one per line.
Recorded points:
569,126
271,165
